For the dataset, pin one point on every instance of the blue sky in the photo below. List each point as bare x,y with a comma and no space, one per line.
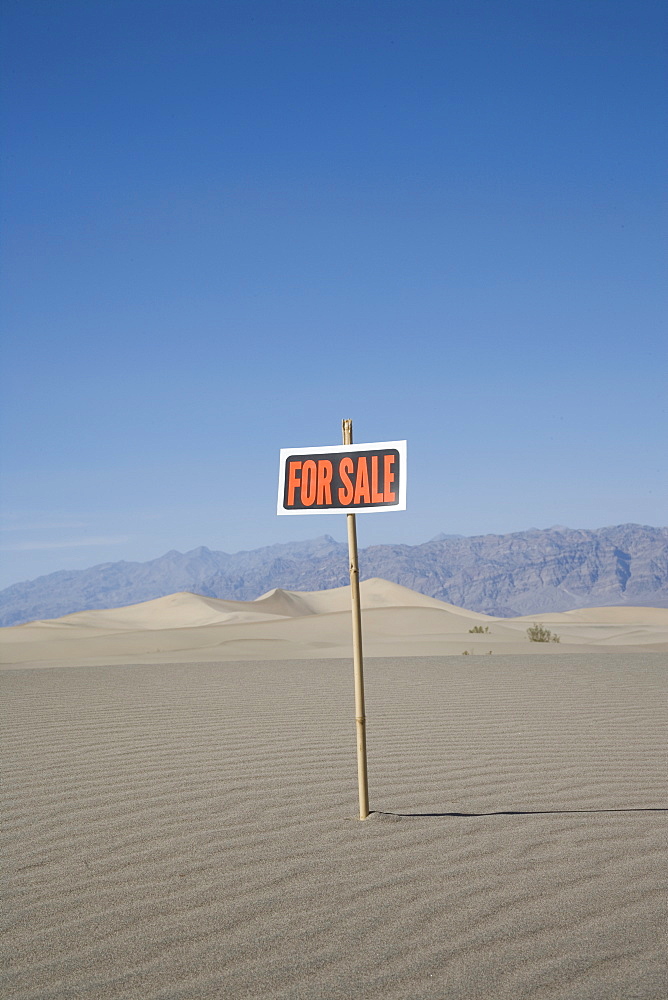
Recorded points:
228,225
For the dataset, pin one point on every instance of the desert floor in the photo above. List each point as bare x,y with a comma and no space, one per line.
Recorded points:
190,830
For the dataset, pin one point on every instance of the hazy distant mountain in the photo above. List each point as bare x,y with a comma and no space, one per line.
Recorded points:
524,573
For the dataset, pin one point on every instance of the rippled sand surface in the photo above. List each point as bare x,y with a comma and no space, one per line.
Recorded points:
189,830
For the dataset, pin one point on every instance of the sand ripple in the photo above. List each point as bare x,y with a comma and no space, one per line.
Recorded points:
188,831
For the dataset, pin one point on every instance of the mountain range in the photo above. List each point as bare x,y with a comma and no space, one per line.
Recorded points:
527,572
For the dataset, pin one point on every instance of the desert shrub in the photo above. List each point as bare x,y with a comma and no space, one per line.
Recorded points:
479,629
538,633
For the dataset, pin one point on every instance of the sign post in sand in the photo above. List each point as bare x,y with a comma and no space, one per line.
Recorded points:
354,479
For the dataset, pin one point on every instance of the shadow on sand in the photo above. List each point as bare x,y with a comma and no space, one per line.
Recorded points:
516,812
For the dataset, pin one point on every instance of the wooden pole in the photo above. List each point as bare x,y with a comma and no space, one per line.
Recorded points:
360,717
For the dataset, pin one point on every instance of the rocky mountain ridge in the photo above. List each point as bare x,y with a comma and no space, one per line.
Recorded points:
554,569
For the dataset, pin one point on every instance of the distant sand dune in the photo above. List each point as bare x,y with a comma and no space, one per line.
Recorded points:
294,624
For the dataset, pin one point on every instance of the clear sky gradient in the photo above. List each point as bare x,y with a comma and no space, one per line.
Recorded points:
228,224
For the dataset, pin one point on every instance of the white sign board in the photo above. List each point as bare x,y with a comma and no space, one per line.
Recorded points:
353,479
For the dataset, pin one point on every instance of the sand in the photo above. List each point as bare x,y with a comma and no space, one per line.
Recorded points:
189,830
291,625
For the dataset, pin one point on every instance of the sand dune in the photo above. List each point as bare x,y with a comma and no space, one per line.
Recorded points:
186,829
288,624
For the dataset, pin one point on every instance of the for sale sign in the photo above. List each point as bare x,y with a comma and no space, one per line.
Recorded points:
350,478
